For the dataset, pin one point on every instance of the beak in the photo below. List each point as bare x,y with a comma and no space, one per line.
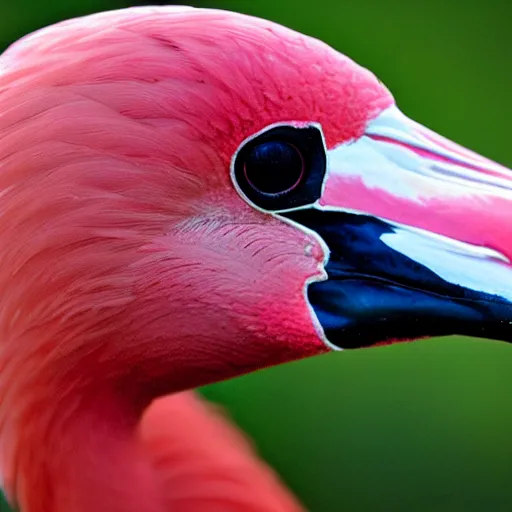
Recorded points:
419,233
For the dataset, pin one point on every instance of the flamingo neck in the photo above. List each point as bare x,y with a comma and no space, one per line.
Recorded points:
83,456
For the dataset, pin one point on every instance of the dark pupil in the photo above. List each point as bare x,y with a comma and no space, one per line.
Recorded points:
273,167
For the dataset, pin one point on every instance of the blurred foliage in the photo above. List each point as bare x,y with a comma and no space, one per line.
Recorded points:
414,427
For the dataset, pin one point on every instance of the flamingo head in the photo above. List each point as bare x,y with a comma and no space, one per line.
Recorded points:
188,195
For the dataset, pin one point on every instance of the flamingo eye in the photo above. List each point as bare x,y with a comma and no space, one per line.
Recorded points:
274,167
281,168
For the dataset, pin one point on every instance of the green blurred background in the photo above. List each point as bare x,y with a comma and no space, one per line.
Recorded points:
414,427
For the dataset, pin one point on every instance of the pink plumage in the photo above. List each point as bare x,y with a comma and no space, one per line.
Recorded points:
133,266
118,232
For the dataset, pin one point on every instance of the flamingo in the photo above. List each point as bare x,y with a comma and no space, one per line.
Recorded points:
188,195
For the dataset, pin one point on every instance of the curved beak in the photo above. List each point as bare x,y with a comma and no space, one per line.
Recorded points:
420,238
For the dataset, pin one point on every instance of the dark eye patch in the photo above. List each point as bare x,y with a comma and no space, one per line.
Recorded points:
282,168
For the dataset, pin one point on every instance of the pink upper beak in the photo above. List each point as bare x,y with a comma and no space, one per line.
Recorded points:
406,173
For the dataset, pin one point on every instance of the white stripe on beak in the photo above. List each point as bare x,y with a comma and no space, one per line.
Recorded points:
408,160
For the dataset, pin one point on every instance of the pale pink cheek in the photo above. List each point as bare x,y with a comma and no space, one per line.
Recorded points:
284,312
245,284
